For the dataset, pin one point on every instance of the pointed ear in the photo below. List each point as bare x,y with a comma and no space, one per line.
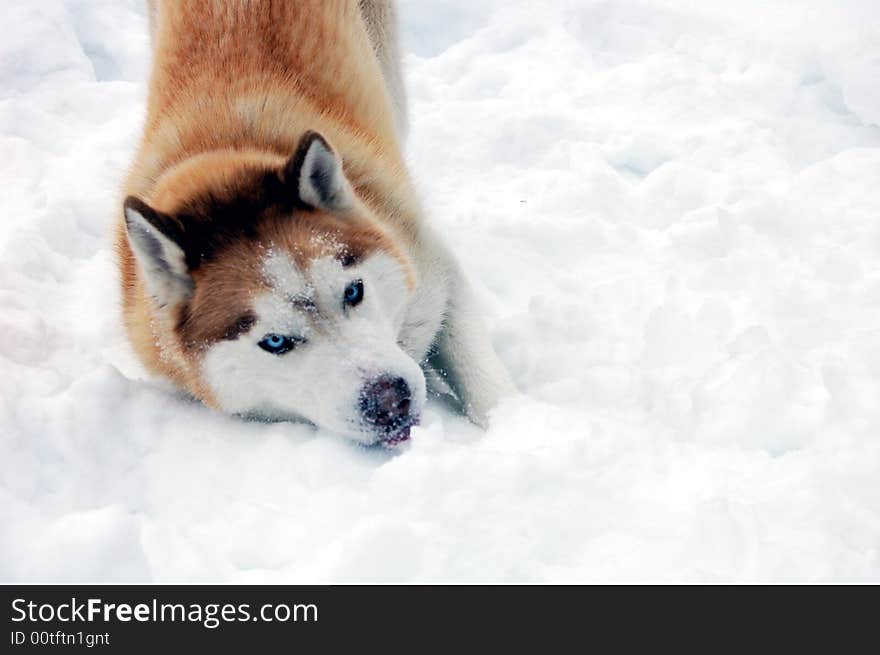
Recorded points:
155,241
315,175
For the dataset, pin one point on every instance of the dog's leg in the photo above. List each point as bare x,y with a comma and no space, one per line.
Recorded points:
380,18
464,356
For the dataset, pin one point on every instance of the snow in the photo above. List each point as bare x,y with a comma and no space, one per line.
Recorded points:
670,210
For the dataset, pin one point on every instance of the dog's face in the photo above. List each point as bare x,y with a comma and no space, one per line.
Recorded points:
285,296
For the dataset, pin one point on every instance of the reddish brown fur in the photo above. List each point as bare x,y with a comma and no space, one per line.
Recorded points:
235,85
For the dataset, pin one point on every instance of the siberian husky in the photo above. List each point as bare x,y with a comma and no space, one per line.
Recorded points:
273,257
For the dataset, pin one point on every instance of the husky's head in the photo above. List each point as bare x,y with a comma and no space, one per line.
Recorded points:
283,293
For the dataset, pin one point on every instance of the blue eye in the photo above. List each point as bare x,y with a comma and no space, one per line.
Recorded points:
278,344
354,293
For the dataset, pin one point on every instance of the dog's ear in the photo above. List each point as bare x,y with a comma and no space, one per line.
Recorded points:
314,175
156,242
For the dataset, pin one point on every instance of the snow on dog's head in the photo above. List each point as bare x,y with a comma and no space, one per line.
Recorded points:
282,293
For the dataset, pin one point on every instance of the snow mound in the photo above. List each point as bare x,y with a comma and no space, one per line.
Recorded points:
670,213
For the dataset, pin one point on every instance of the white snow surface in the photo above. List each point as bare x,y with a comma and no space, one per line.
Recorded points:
671,211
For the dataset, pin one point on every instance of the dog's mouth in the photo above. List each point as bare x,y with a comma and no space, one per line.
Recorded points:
400,435
394,441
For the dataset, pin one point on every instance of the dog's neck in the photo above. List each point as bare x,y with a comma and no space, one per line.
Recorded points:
274,74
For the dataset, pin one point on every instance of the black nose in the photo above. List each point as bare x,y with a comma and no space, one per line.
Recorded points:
385,402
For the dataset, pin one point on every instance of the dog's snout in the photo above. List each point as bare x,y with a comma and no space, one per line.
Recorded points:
385,402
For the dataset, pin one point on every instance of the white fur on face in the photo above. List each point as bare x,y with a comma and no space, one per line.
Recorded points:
321,379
